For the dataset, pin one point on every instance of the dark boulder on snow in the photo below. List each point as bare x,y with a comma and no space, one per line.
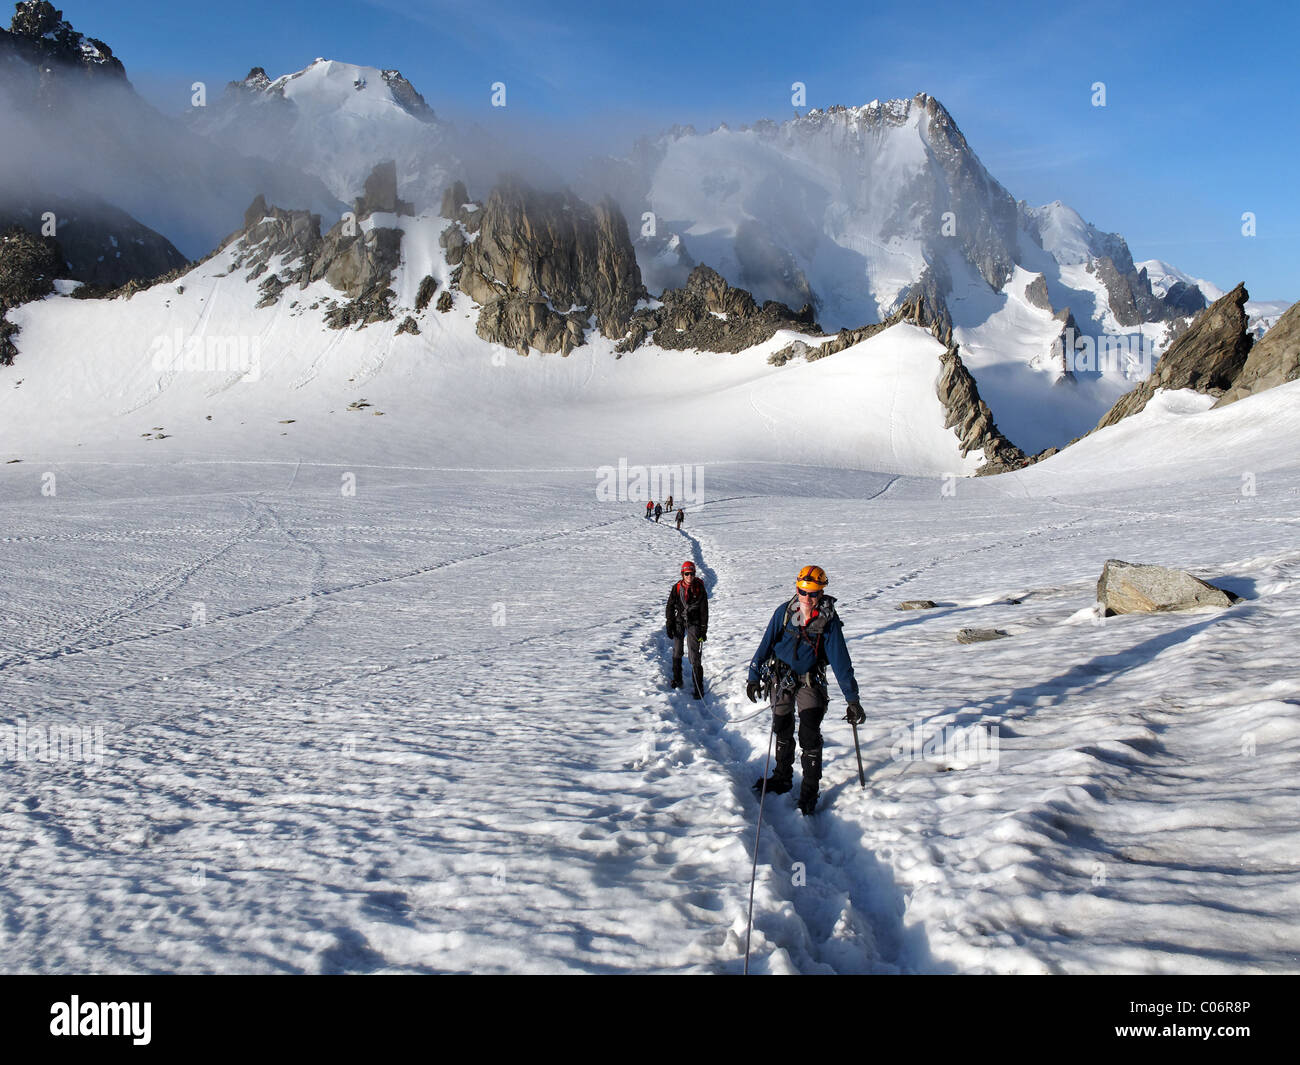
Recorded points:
980,635
454,241
424,296
916,604
1132,588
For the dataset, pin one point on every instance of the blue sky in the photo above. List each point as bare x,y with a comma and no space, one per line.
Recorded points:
1199,124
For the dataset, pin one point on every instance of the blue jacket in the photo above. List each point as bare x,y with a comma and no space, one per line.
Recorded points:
805,648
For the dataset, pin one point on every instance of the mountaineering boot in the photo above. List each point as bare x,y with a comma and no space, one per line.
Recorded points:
811,784
697,675
782,778
776,784
677,672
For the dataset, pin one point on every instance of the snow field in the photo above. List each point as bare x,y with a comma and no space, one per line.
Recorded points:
349,767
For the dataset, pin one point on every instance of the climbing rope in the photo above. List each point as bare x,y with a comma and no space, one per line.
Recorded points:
753,872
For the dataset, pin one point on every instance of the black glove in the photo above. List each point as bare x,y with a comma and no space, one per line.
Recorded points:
751,689
855,715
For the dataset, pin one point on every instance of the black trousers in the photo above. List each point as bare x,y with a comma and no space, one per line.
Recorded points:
690,643
810,702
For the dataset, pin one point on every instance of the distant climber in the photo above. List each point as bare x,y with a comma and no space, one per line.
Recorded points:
687,618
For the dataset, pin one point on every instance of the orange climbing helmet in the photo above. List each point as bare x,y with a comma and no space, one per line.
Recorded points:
811,579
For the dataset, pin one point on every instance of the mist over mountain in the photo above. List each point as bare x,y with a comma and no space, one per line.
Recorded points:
70,119
849,219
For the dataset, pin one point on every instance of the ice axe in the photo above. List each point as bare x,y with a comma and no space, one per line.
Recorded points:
862,777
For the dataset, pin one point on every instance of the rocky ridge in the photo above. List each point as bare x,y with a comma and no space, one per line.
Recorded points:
709,315
1274,360
543,266
1206,357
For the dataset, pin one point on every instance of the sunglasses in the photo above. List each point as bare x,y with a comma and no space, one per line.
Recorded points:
809,595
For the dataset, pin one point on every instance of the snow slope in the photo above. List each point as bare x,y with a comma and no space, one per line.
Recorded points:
367,674
91,382
425,727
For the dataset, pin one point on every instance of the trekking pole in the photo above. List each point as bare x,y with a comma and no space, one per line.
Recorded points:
862,777
753,873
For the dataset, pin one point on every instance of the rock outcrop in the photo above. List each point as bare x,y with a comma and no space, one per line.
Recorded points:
357,262
1274,360
971,418
542,265
44,44
1132,588
1132,300
708,314
380,195
406,96
1036,293
272,233
28,268
101,245
1207,357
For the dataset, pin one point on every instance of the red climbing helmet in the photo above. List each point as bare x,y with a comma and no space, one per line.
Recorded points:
688,567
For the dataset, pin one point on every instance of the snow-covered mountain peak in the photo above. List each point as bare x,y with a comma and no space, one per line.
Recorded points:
327,85
843,207
1070,240
336,120
922,113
